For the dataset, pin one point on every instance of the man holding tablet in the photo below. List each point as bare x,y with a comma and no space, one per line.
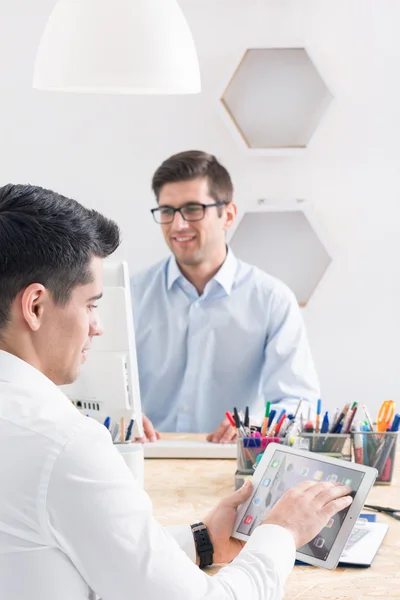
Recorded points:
283,468
74,523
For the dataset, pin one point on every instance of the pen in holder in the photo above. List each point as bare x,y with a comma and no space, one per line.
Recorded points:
376,450
337,445
249,452
249,448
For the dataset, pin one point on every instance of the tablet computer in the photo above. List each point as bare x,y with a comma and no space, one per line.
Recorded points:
283,467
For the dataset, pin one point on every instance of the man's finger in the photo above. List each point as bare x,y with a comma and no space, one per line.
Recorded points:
304,486
240,496
228,435
149,430
141,440
331,493
216,435
327,489
219,434
332,508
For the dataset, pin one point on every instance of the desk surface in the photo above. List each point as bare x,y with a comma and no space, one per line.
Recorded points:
184,490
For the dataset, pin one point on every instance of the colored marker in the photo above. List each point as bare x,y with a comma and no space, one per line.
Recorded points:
129,430
247,417
396,423
279,424
230,419
318,417
325,423
271,417
334,421
266,419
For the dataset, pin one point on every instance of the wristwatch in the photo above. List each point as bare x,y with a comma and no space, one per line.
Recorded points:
204,547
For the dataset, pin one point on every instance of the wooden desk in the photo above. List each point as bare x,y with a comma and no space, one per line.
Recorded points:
183,491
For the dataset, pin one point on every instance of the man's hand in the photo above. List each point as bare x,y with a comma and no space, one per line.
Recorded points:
220,522
306,509
150,434
224,434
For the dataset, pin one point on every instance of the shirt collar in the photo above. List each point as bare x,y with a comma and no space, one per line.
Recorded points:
20,373
173,272
225,276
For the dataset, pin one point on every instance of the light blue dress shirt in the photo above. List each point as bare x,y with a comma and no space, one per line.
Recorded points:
242,342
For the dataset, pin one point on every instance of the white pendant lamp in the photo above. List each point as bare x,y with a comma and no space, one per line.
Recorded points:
117,47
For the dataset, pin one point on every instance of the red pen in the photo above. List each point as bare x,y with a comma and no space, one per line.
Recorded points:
279,424
230,419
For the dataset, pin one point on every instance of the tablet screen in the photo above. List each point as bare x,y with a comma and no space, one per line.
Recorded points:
284,472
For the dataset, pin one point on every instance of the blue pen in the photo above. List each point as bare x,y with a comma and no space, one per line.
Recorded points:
107,423
325,423
283,412
396,423
129,430
271,417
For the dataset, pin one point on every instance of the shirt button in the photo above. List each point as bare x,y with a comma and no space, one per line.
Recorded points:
185,408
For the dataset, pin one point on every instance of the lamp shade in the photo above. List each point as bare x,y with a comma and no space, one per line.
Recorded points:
117,47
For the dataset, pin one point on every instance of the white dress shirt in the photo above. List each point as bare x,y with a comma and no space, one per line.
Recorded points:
75,525
242,342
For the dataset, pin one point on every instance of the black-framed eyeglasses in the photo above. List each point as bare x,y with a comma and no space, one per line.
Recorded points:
190,212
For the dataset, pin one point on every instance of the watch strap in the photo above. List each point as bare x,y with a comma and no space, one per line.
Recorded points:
204,547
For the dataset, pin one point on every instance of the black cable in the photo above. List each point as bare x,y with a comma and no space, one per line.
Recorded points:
392,512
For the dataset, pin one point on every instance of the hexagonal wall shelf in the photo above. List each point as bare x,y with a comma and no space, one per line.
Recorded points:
287,242
275,100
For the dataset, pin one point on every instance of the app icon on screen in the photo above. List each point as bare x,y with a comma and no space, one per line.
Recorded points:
319,542
318,475
275,464
330,523
305,471
290,467
248,520
266,482
333,477
347,481
256,501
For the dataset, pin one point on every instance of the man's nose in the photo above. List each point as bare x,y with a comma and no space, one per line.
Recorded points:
179,221
96,327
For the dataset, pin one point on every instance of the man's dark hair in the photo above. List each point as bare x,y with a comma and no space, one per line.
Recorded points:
49,239
195,164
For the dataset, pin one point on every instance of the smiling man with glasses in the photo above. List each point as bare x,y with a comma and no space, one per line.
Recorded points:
212,332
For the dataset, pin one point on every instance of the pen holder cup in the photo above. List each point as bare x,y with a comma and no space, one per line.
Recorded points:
376,450
249,448
337,445
133,455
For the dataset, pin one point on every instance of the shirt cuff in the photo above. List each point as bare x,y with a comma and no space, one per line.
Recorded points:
184,537
276,543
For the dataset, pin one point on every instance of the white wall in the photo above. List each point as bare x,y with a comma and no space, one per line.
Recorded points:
103,151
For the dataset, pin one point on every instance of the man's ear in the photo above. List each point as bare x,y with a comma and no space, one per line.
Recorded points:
33,300
230,215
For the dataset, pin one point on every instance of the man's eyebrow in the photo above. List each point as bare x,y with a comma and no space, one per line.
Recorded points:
93,298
